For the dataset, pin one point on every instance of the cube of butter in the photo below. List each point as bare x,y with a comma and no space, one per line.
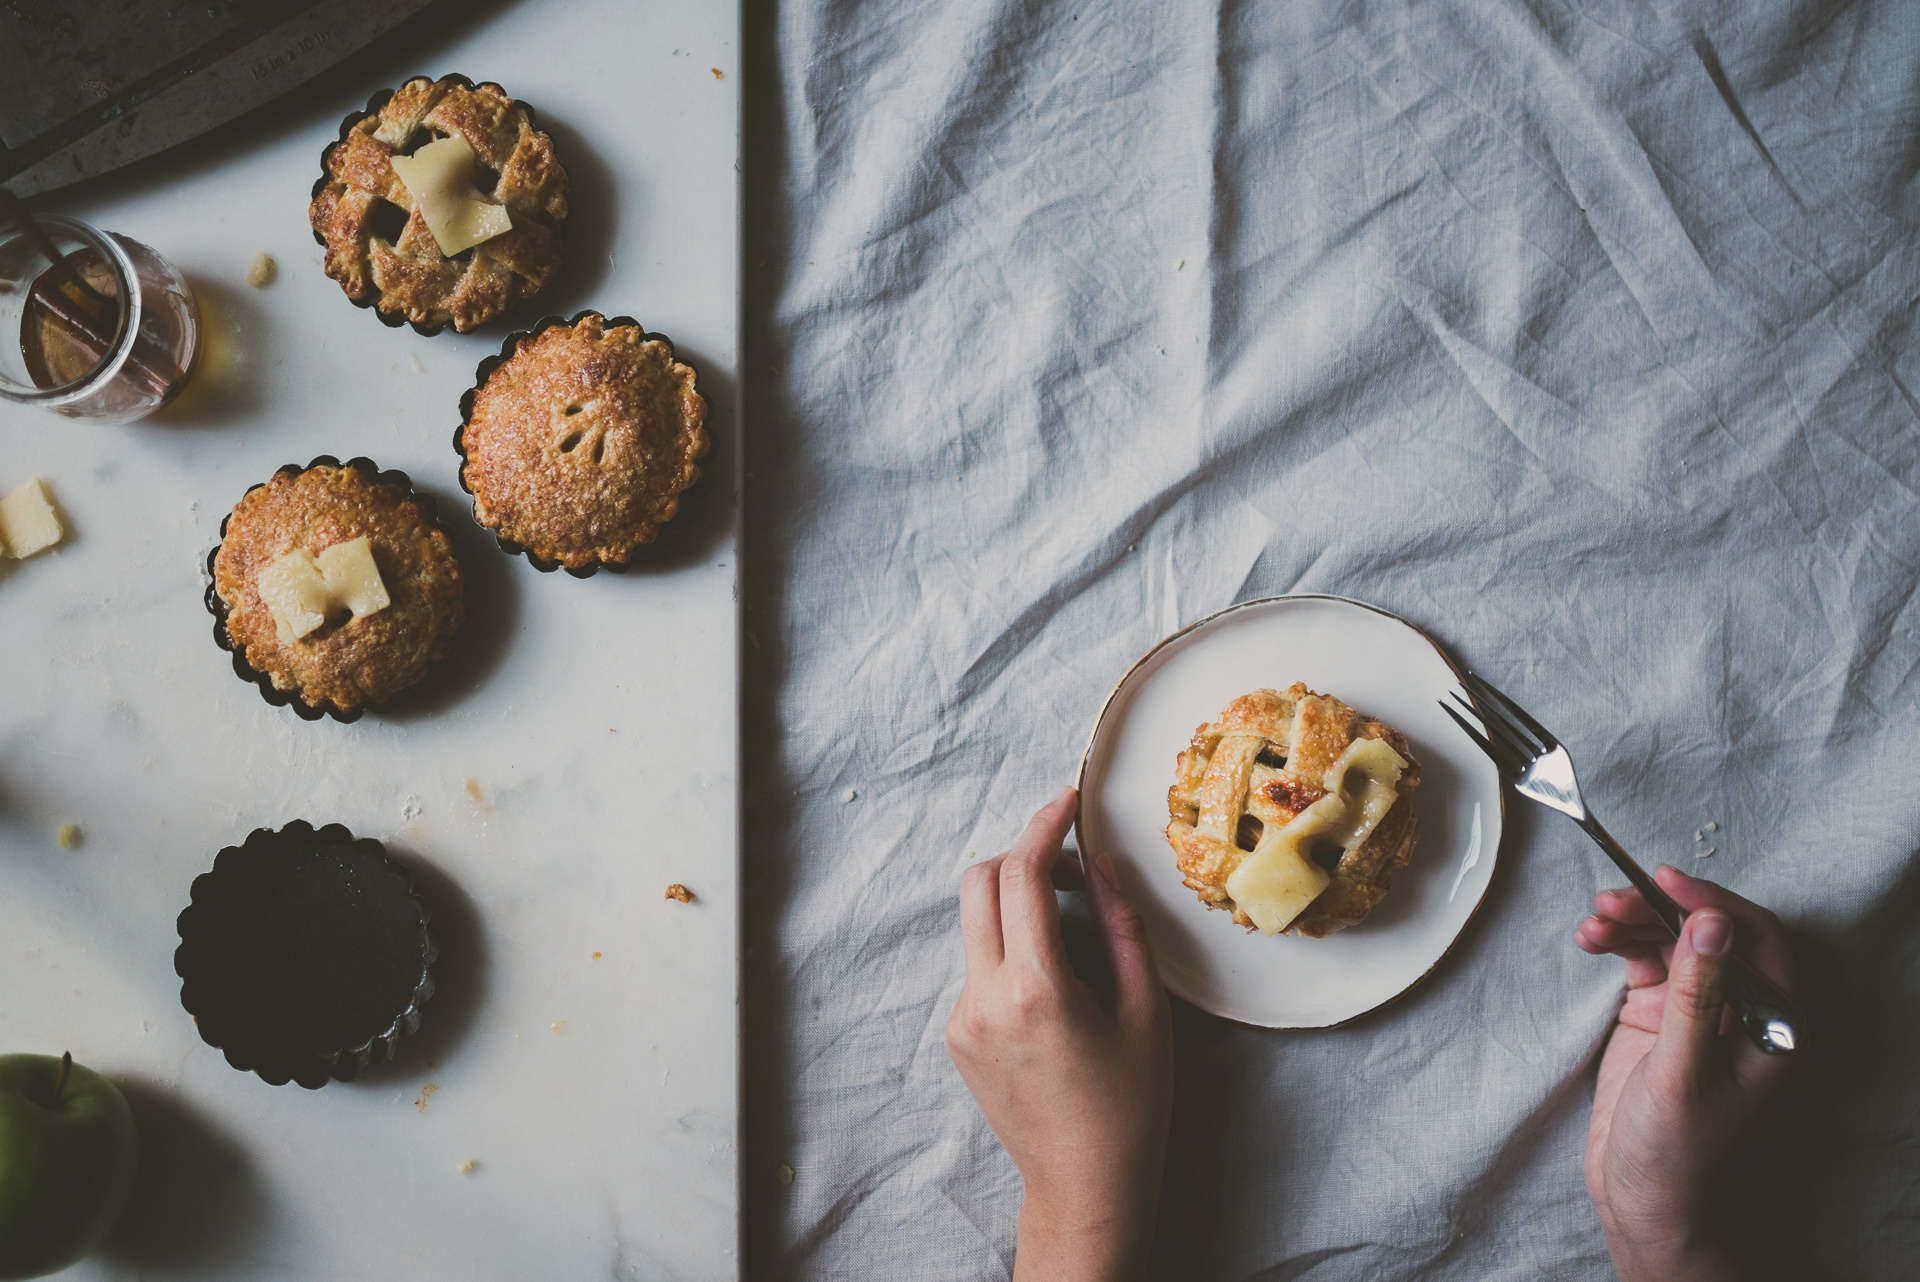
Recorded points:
439,177
295,593
28,523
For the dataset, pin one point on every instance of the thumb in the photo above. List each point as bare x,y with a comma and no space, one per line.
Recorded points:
1696,995
1136,979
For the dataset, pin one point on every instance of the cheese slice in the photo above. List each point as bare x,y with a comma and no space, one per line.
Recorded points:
300,589
439,177
28,523
352,578
295,593
1364,776
1277,879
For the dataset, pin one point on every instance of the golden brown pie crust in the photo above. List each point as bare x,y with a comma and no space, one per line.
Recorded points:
1274,794
581,440
349,662
409,278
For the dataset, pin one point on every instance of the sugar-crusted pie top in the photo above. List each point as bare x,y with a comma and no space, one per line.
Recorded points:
347,662
580,443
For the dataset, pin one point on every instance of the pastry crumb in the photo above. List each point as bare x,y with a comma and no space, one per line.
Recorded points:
478,798
717,74
849,795
1707,853
68,836
784,1174
557,1027
414,359
681,893
260,271
595,957
1713,826
467,1167
426,1093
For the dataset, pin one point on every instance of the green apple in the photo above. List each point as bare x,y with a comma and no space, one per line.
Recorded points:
68,1152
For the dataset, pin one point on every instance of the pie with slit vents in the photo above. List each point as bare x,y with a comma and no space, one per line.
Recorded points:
335,586
440,205
1293,812
580,440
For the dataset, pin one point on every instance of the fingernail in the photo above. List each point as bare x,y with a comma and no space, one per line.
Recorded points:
1103,864
1712,934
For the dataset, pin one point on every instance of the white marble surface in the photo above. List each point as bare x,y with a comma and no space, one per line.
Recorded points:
583,1050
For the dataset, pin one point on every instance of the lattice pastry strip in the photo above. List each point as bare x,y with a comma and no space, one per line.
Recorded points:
1292,811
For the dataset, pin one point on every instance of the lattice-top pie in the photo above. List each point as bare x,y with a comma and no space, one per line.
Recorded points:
1293,811
380,244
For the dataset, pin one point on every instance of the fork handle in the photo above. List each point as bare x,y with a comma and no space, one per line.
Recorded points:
1767,1014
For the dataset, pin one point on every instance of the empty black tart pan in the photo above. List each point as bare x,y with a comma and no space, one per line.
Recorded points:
305,954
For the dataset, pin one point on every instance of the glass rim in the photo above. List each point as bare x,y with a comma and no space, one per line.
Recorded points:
127,326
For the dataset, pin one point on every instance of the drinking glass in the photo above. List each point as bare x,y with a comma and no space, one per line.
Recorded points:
92,325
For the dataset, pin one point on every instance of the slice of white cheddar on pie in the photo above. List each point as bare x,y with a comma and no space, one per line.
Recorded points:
300,589
353,578
295,593
1277,879
439,177
28,523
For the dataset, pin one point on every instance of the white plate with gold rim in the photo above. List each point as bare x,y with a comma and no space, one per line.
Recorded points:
1381,665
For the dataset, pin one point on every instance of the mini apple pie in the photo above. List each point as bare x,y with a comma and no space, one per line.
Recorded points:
440,204
579,440
334,587
1293,811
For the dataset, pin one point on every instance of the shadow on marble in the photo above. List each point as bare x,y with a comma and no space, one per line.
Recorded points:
236,350
198,1203
593,214
462,977
493,615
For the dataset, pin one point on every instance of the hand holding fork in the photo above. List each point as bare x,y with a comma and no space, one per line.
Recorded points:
1675,1092
1532,761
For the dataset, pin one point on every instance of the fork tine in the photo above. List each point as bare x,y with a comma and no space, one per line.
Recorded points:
1483,688
1502,724
1510,752
1499,759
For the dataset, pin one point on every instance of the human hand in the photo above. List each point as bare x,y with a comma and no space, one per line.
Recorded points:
1679,1082
1079,1089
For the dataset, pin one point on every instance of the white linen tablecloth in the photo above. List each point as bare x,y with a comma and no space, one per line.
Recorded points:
1581,335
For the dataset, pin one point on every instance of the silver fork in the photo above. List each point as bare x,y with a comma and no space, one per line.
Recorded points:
1539,769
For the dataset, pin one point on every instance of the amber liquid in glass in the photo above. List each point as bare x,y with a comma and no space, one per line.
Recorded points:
68,324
